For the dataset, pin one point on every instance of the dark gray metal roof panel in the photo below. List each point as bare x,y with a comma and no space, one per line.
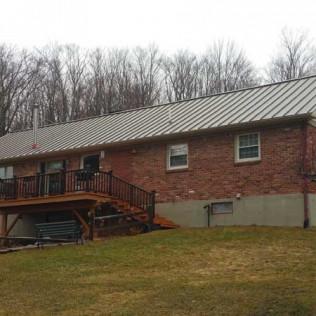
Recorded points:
274,101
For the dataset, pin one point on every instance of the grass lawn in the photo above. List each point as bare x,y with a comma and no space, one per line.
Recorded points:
221,271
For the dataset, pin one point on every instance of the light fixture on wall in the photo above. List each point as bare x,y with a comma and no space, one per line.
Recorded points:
102,154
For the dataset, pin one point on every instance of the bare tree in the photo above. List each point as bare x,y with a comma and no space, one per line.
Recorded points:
224,67
96,89
181,75
296,57
124,98
68,82
53,99
110,81
18,70
147,78
76,75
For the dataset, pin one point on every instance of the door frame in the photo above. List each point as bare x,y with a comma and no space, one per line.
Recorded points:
46,185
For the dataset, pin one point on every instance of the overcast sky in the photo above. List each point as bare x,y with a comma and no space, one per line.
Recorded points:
171,24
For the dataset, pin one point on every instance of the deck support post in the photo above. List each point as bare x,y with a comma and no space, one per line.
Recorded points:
91,222
4,224
3,227
86,227
12,224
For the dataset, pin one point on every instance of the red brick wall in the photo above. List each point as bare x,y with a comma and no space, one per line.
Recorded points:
25,168
29,167
311,156
212,171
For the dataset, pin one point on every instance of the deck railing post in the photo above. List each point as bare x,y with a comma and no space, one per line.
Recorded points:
45,180
153,202
131,195
62,181
110,182
87,180
151,210
15,187
38,184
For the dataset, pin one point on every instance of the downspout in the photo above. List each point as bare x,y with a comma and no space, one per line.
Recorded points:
208,210
305,174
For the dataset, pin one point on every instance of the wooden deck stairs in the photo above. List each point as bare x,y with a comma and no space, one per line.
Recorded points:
126,208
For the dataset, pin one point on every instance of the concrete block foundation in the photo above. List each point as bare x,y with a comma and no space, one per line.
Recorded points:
264,210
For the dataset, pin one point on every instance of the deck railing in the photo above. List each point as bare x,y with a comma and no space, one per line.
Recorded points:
59,183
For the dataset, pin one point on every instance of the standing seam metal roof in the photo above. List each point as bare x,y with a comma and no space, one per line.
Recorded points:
288,99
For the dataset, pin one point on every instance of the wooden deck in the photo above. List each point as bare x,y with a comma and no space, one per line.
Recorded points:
53,203
75,191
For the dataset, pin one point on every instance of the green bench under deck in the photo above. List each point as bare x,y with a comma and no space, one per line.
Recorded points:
68,231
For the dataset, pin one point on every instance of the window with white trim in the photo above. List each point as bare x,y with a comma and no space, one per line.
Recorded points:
6,172
248,147
177,156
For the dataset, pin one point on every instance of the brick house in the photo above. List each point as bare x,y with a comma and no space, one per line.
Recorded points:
248,155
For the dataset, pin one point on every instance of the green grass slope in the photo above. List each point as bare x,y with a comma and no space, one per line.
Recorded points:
220,271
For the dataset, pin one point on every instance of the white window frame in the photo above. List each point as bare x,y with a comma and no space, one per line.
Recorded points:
169,147
237,147
6,172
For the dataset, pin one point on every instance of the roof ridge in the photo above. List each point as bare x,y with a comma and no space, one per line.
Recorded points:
166,104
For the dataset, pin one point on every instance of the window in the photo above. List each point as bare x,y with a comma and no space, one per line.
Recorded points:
91,163
222,207
6,172
177,156
248,147
54,165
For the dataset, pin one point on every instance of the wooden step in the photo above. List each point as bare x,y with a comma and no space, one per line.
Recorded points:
164,222
124,207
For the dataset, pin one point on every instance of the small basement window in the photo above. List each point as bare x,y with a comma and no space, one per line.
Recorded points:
177,156
248,147
222,207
